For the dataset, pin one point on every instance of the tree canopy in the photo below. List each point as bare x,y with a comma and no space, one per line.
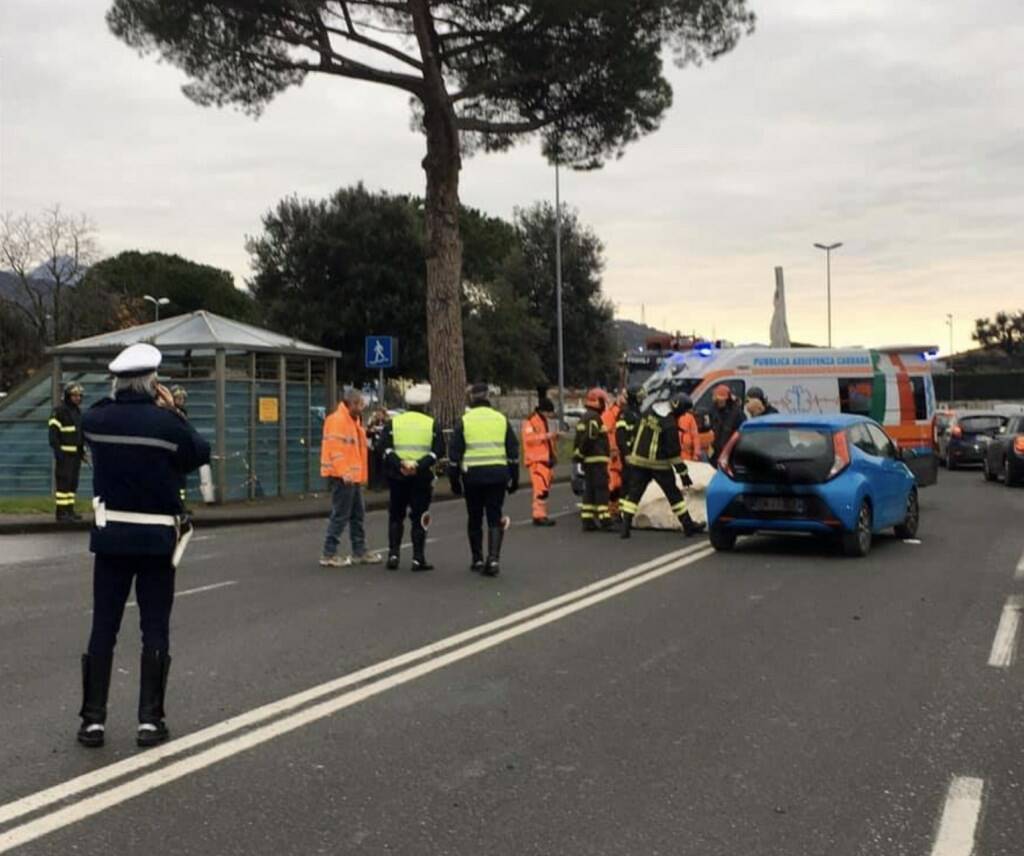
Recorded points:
188,285
586,75
1003,332
331,271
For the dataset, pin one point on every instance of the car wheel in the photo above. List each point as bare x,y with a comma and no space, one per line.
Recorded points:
722,539
987,470
858,542
908,528
1008,478
950,464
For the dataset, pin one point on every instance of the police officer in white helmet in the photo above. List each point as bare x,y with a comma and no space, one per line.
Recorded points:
141,447
412,443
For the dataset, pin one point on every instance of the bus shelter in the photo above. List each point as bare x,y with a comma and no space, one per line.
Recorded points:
259,397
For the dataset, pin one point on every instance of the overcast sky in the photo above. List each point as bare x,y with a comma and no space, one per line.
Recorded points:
894,127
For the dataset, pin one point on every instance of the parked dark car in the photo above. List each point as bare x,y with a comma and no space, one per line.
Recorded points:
966,436
1004,453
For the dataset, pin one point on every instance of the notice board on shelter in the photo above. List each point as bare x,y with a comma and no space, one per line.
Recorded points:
268,409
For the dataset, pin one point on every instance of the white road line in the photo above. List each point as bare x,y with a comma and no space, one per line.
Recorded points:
1004,646
80,784
959,822
97,803
187,592
1019,573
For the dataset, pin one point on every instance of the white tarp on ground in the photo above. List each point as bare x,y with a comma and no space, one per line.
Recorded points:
656,513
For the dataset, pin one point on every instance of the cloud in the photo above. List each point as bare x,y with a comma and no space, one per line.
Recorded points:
883,125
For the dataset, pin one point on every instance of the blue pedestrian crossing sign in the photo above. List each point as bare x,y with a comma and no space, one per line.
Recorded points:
381,352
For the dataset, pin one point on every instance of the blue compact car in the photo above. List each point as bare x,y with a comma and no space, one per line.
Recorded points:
837,475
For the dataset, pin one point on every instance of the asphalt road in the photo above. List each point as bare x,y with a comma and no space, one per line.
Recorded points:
779,700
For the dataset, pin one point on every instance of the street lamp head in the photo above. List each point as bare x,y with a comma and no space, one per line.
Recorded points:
163,301
829,246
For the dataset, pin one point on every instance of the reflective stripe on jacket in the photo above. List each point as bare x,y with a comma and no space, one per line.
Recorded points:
343,453
484,431
413,436
591,445
65,430
538,441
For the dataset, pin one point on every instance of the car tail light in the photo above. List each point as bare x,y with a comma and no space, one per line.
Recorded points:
724,462
842,454
1018,445
957,432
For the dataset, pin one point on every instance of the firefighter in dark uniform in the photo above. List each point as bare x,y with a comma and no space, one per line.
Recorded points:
591,453
483,460
625,429
413,444
140,448
654,455
65,428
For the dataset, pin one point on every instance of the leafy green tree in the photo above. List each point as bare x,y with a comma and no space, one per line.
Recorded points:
188,285
587,317
332,271
586,74
20,347
1004,332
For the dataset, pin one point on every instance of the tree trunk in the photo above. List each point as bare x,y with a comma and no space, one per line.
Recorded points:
444,267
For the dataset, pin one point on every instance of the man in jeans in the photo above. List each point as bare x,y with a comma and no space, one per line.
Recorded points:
344,463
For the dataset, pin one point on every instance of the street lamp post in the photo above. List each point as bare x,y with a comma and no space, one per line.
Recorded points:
558,300
949,323
157,303
828,248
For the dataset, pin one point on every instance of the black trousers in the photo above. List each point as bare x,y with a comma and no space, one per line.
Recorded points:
410,495
595,492
483,499
154,590
66,471
637,479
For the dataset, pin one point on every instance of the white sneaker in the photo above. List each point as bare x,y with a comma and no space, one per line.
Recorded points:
366,559
333,562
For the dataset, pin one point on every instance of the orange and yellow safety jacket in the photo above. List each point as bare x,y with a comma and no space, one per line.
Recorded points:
343,453
538,441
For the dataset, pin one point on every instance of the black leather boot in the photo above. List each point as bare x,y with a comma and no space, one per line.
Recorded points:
690,526
95,688
419,554
152,688
495,534
627,525
476,549
395,532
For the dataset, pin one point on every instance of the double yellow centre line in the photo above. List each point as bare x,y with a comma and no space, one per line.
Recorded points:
298,710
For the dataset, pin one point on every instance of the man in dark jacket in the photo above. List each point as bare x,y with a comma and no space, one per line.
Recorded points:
484,463
654,454
413,444
726,418
591,453
65,428
140,448
757,403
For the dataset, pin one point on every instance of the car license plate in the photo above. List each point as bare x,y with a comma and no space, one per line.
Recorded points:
786,504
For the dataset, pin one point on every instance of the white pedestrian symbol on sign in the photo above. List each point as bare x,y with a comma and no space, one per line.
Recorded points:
378,353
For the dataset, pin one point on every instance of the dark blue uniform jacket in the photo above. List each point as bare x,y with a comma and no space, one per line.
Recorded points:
140,452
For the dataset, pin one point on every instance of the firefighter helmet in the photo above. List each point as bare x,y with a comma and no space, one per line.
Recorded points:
681,403
596,399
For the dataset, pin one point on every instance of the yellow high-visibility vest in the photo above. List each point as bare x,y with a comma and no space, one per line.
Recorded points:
484,430
413,435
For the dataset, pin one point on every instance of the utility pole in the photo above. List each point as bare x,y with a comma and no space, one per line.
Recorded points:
949,323
828,248
558,300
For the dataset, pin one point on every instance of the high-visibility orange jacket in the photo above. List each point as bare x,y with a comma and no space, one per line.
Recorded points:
538,441
689,437
343,452
609,418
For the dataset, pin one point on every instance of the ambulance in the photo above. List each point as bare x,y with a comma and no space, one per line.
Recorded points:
892,385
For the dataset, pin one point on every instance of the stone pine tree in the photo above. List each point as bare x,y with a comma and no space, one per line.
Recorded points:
480,74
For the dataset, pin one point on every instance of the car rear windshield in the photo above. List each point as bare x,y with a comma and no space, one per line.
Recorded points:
982,424
783,455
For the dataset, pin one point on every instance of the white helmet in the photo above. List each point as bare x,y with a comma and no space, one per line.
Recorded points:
418,395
